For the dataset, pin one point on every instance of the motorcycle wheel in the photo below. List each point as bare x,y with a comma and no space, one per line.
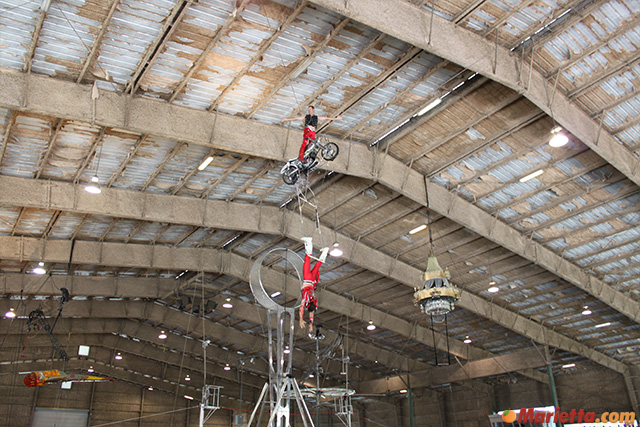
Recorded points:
290,175
330,151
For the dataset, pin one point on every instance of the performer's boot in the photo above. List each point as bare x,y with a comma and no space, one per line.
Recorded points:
308,245
323,255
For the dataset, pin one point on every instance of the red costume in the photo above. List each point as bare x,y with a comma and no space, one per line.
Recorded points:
310,124
311,278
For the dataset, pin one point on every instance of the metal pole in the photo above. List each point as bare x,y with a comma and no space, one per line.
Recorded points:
552,386
411,422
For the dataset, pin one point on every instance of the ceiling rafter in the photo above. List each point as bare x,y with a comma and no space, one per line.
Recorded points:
431,146
97,43
205,194
570,214
186,177
480,55
54,132
402,94
524,196
360,255
158,170
612,233
610,247
97,140
308,59
596,79
264,46
616,103
51,94
562,199
325,85
147,350
415,121
570,19
234,265
574,59
222,31
35,39
567,154
11,123
155,49
388,73
268,165
502,133
583,227
130,155
626,126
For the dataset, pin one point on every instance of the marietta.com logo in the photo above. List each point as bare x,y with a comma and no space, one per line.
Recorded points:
529,415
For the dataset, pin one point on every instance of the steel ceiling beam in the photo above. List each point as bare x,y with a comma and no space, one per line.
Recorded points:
93,286
57,98
210,260
498,365
164,315
403,20
145,256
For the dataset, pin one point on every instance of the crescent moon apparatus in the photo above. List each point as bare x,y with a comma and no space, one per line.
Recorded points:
255,278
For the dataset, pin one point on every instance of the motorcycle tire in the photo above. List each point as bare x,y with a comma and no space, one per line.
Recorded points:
290,175
330,151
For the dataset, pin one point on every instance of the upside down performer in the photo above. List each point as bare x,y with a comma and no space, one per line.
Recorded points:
310,282
310,125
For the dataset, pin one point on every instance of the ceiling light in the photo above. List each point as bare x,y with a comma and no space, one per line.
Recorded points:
276,294
433,104
336,251
602,325
227,367
570,365
118,356
311,375
83,350
371,326
586,311
93,188
150,388
39,269
205,163
494,289
559,138
187,378
286,350
188,397
162,335
10,314
227,304
90,370
403,391
467,340
418,229
531,175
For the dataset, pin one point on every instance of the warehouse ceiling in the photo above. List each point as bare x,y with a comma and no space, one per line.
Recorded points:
139,93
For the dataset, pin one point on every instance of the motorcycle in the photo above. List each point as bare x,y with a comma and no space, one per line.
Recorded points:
291,171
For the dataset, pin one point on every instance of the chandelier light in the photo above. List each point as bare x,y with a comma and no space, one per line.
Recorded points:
437,296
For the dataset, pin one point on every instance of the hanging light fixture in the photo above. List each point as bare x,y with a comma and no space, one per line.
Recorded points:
558,138
93,188
227,303
227,367
467,340
437,297
371,326
90,370
336,251
118,356
162,335
10,314
39,269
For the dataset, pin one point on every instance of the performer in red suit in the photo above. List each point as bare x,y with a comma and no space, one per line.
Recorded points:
310,125
310,282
